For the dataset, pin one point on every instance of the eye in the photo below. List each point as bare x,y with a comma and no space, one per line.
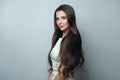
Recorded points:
57,19
63,17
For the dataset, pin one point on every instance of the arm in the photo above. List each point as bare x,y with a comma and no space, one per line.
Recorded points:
50,75
60,75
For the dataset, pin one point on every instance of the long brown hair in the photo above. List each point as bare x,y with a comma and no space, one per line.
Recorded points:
71,53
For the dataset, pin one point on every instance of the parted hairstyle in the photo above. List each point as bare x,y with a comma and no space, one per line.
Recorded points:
71,53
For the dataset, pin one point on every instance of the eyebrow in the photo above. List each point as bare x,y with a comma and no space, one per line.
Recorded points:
61,16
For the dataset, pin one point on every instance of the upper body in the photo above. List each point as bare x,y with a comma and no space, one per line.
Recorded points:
66,54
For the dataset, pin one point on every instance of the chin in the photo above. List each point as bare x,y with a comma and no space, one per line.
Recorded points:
62,29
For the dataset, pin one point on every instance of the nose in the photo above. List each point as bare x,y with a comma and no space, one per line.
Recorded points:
59,21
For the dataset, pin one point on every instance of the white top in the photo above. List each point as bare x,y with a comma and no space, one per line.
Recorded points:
54,58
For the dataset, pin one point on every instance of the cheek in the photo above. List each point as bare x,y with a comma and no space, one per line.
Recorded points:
67,23
56,22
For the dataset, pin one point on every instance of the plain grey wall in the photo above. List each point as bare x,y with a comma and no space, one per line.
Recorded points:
26,28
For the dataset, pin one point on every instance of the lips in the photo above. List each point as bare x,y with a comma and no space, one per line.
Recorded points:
61,27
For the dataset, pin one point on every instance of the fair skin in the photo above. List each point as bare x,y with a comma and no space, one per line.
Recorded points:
50,75
63,25
60,74
62,22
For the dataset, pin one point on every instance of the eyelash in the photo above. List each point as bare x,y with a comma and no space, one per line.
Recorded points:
56,18
62,18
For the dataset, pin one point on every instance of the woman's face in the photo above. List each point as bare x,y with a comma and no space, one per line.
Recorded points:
62,21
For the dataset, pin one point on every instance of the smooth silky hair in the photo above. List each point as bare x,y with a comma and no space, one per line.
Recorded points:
71,53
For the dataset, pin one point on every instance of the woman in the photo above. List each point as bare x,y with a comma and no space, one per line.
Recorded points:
66,53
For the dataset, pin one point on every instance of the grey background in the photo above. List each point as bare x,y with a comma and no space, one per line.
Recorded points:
26,28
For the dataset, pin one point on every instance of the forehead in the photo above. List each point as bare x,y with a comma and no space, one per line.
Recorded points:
60,13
